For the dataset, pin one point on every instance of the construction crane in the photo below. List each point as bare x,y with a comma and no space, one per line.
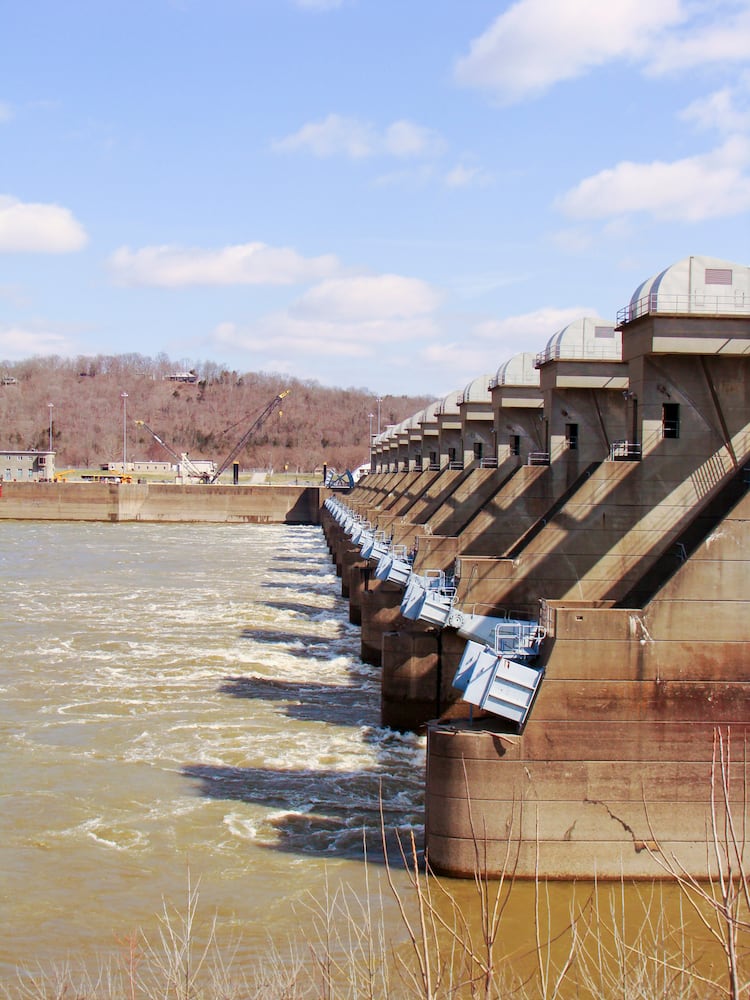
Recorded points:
182,460
256,426
200,474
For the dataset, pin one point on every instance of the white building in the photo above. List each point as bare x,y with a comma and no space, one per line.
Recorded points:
27,466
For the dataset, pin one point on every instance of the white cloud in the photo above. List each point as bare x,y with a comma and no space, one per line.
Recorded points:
528,331
300,337
486,345
332,136
718,34
366,299
17,343
700,187
243,264
463,360
536,43
726,110
348,318
29,227
406,139
337,135
462,176
478,283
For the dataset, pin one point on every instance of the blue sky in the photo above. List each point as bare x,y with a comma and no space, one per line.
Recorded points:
390,194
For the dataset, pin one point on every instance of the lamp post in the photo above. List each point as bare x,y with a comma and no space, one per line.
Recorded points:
379,402
50,407
124,398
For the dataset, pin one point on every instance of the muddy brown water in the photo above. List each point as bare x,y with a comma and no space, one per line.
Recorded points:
181,701
186,704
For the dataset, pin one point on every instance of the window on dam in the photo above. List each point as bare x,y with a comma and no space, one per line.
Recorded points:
670,420
571,436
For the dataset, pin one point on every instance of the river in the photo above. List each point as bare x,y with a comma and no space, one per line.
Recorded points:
184,708
182,703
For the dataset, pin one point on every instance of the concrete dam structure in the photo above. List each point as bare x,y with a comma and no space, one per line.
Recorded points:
159,502
551,567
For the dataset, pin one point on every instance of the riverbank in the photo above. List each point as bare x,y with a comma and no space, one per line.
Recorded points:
161,502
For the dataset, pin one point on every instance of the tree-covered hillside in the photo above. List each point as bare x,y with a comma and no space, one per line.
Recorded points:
205,418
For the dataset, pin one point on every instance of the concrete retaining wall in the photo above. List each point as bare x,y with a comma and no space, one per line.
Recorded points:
161,502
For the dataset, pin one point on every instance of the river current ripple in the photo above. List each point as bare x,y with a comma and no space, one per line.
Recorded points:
182,702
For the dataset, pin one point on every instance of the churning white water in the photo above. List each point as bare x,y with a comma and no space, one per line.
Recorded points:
182,699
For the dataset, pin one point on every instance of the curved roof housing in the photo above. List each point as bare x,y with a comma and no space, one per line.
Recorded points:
519,370
429,415
707,285
477,391
586,339
448,404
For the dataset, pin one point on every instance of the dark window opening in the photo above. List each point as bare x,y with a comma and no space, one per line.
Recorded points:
514,442
670,420
571,436
478,451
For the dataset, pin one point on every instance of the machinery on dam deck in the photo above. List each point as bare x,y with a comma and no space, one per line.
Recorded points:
496,673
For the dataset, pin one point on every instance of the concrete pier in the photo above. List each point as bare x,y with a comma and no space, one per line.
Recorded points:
610,507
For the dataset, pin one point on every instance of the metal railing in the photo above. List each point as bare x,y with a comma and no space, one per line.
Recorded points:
695,302
538,458
625,451
580,352
518,639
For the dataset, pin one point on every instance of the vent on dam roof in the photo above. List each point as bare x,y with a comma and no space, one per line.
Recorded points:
718,276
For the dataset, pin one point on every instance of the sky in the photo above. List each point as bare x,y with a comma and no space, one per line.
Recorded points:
396,195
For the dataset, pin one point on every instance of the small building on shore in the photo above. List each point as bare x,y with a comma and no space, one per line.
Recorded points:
31,466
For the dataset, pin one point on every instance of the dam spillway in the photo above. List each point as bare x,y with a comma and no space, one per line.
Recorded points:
598,489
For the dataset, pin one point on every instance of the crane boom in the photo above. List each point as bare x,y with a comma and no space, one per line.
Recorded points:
260,420
205,476
181,459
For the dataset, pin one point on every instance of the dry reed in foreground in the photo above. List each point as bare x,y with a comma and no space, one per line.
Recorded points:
440,951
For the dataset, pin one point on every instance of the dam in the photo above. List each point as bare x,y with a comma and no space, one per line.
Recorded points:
550,567
159,502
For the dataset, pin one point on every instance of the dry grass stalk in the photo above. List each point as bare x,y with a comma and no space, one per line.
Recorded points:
598,953
722,901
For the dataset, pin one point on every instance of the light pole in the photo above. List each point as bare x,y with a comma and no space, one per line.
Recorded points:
51,407
124,398
379,402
